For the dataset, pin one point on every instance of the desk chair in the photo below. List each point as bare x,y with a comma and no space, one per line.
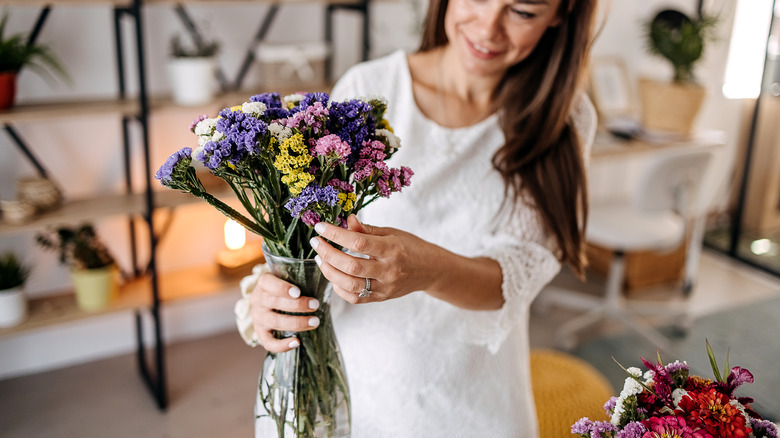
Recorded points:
665,208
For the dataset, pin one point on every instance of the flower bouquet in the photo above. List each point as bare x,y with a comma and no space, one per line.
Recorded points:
667,402
293,162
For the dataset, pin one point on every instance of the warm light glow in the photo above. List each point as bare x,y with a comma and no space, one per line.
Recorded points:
761,246
235,235
747,50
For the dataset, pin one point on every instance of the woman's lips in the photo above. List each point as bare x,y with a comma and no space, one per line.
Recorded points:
479,51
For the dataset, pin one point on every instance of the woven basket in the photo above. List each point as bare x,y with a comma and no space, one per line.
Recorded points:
670,107
39,192
566,388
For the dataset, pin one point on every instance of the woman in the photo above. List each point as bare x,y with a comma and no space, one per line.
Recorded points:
434,324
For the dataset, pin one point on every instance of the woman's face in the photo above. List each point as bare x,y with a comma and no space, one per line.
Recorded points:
490,36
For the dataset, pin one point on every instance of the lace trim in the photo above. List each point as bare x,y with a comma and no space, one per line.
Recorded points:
243,308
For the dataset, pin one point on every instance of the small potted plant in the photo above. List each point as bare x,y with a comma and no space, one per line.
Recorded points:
91,264
191,70
680,40
16,52
13,276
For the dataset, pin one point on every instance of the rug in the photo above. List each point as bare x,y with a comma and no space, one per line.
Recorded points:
750,334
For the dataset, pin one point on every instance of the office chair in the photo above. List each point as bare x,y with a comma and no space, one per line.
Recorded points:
665,209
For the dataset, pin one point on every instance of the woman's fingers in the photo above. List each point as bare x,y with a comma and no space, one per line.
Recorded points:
360,238
271,295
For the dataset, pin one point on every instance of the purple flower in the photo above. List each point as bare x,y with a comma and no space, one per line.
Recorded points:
341,185
312,98
215,153
763,428
633,429
353,122
312,195
313,118
243,130
593,429
582,426
168,170
273,102
609,406
310,218
737,377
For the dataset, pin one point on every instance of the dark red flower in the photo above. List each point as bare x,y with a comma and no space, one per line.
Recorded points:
712,411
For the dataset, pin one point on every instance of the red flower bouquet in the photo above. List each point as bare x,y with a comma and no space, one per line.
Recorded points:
667,402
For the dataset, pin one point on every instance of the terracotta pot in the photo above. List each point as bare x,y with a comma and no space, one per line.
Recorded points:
670,107
7,89
13,306
95,289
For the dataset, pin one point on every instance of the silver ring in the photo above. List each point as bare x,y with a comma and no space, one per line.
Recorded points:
367,291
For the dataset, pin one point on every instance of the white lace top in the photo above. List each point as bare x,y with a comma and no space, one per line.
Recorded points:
418,366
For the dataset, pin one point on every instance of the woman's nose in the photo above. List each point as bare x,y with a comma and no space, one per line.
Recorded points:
490,21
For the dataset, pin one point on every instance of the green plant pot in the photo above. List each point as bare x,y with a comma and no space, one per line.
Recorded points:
7,89
95,289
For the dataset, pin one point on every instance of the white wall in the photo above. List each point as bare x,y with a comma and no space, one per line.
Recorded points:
84,154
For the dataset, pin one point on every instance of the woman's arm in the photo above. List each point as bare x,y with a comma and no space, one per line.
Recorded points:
400,263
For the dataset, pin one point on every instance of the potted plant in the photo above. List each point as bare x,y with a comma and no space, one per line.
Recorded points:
191,70
13,276
91,264
679,39
16,52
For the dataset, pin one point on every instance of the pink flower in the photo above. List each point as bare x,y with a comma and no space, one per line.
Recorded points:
671,427
331,146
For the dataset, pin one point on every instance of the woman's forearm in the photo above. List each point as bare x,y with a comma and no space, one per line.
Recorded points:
469,283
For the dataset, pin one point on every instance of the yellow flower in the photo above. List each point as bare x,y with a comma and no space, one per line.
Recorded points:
346,200
235,108
384,124
293,159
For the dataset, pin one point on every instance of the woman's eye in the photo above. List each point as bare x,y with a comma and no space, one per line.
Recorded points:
523,14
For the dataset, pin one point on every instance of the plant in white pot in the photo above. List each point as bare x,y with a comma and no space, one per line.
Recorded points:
680,40
92,266
192,71
16,53
13,303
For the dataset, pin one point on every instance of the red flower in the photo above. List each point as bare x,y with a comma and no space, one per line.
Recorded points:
671,427
711,410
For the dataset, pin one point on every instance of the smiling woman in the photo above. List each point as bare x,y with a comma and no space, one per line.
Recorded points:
433,321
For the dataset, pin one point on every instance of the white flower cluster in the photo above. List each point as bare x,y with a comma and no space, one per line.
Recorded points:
206,130
630,387
279,131
293,98
392,140
257,109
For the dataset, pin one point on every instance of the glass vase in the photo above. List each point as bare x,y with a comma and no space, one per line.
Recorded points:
303,392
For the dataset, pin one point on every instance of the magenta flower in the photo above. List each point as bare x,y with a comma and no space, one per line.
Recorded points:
671,427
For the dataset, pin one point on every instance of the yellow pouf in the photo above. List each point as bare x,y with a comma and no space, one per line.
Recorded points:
566,389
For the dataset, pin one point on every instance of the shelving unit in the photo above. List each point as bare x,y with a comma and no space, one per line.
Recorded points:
148,291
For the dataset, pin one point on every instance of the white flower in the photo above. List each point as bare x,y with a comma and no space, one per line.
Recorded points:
630,387
677,395
254,108
371,97
205,127
392,140
280,132
293,98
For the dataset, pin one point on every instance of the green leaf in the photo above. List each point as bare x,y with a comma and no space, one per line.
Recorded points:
713,362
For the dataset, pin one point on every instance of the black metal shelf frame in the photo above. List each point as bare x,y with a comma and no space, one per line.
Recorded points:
153,373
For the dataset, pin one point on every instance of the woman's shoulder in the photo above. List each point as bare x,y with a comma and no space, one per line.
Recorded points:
376,76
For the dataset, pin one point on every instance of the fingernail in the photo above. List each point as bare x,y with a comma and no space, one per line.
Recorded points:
318,260
319,227
314,321
294,292
314,242
294,343
313,304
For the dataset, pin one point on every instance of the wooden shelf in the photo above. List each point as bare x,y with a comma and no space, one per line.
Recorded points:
64,2
81,210
45,112
227,99
180,285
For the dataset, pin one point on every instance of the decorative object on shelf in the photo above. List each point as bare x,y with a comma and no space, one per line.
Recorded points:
16,212
93,269
13,302
289,65
191,71
40,192
294,162
666,401
238,257
17,52
679,39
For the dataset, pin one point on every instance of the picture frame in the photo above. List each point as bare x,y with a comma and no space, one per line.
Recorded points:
611,89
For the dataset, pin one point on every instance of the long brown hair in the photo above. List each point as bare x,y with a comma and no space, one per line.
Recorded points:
543,153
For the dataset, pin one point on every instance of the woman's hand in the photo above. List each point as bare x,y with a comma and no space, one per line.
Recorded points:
398,263
272,294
